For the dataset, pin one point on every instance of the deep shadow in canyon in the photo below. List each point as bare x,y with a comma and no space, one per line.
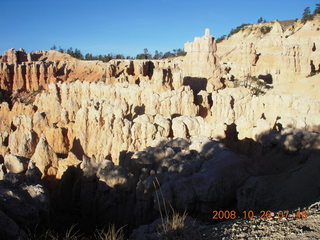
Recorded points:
199,182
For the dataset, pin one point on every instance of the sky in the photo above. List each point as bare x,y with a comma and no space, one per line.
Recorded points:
128,26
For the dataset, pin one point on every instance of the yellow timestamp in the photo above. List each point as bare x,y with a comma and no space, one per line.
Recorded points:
263,214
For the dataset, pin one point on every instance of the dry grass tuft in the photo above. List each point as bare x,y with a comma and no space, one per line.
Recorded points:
111,234
174,225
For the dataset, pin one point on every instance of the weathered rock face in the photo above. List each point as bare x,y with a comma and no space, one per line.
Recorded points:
295,185
24,203
121,116
44,158
180,168
126,131
23,140
14,164
256,115
30,72
15,57
33,71
201,66
201,59
278,50
20,71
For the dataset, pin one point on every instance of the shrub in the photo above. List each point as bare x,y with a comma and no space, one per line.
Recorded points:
317,9
220,39
307,16
254,84
265,29
237,29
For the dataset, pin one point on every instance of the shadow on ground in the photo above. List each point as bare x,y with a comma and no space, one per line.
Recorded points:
278,171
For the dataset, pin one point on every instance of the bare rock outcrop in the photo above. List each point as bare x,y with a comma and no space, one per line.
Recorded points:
255,115
295,185
45,158
200,60
22,142
279,50
24,203
20,71
201,67
15,164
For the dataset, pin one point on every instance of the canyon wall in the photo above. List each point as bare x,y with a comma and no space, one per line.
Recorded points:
99,135
129,105
280,49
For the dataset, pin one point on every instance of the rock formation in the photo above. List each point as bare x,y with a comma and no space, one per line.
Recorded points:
24,203
200,60
285,52
107,138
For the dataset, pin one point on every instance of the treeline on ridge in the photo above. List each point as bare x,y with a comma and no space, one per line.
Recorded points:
76,53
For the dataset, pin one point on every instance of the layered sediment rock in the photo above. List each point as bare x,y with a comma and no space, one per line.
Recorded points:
20,71
200,60
281,49
111,137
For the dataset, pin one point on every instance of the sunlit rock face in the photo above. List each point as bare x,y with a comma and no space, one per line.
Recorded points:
200,60
287,49
94,131
138,103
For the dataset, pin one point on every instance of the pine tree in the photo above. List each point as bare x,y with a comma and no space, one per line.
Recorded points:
61,50
180,52
70,51
89,56
317,10
146,53
156,55
307,16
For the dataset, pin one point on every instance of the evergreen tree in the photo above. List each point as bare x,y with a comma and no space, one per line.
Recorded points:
168,55
160,55
220,39
146,53
174,52
317,10
108,57
61,50
119,56
156,55
180,52
237,29
140,56
70,51
77,54
307,15
89,56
